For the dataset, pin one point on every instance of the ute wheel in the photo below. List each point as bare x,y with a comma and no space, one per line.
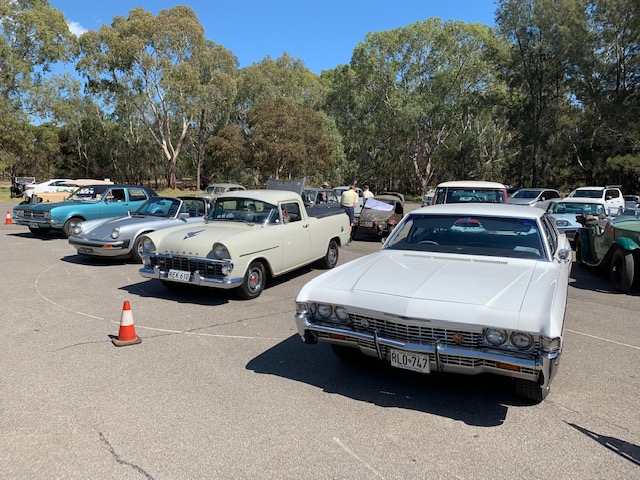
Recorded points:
39,231
68,226
330,258
622,270
253,281
346,354
531,390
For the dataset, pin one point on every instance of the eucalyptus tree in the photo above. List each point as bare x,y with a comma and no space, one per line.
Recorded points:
409,90
544,35
33,35
154,64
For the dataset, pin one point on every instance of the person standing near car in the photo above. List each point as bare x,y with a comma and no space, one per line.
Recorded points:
366,193
348,203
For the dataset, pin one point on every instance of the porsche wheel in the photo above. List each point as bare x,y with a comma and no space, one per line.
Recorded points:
622,270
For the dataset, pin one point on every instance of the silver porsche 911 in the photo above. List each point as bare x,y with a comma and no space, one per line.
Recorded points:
118,236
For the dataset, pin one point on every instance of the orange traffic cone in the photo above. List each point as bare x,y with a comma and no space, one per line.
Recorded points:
127,334
8,220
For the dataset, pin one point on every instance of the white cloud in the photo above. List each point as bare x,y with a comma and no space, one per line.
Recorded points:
76,28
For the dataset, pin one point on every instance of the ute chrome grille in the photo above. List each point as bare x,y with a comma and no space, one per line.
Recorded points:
33,214
207,268
419,334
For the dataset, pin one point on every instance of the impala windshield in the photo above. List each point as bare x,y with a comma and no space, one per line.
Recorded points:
475,235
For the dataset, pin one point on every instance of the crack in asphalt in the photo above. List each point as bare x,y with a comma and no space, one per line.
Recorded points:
119,459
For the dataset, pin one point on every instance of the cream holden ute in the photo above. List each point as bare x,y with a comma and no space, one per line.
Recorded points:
248,235
461,288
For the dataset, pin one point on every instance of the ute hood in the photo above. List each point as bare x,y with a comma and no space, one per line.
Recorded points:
452,288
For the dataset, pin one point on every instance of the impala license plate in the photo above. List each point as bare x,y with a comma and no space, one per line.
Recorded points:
179,275
366,224
410,361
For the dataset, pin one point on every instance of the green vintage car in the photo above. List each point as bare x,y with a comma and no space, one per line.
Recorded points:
613,244
86,203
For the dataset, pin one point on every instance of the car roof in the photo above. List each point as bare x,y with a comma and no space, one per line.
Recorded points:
535,189
224,185
269,196
580,200
471,184
485,209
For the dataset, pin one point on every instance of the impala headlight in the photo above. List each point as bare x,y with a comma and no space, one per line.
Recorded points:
221,252
77,228
341,314
562,223
323,310
115,233
148,246
521,340
495,336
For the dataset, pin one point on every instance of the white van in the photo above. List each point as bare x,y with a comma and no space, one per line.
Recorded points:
470,191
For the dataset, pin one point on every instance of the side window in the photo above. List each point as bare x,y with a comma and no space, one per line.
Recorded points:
137,194
291,212
551,233
552,194
116,195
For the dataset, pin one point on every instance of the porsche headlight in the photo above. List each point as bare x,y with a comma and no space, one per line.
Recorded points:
521,340
562,223
115,233
148,246
221,252
77,228
495,336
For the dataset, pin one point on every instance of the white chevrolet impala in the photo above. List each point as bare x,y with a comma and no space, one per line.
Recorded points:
463,288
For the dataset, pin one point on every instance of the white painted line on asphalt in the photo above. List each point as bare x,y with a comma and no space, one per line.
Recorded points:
603,339
201,334
348,450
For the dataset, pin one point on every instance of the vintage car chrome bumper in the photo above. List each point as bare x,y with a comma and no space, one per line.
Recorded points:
195,277
100,247
37,222
537,366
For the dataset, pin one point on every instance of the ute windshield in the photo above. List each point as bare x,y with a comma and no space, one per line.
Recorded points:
90,193
247,210
462,234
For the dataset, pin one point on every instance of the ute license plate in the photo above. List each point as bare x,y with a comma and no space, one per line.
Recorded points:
366,224
410,361
179,275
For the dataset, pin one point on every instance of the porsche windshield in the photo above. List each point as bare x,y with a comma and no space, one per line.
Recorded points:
462,234
159,207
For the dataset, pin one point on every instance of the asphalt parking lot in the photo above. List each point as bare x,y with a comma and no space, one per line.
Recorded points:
224,388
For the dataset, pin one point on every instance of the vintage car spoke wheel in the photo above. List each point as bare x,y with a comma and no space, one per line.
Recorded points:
68,226
39,231
531,390
253,282
622,270
330,258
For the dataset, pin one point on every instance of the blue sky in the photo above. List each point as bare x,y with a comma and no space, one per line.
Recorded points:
322,34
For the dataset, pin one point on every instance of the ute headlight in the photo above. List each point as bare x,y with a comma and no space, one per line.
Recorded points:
18,213
323,310
226,269
77,228
221,252
115,233
341,314
521,340
148,246
562,223
47,214
495,336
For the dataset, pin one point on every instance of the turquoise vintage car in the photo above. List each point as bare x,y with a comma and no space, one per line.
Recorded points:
86,203
612,244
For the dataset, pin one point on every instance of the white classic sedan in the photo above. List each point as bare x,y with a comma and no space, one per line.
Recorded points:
463,288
